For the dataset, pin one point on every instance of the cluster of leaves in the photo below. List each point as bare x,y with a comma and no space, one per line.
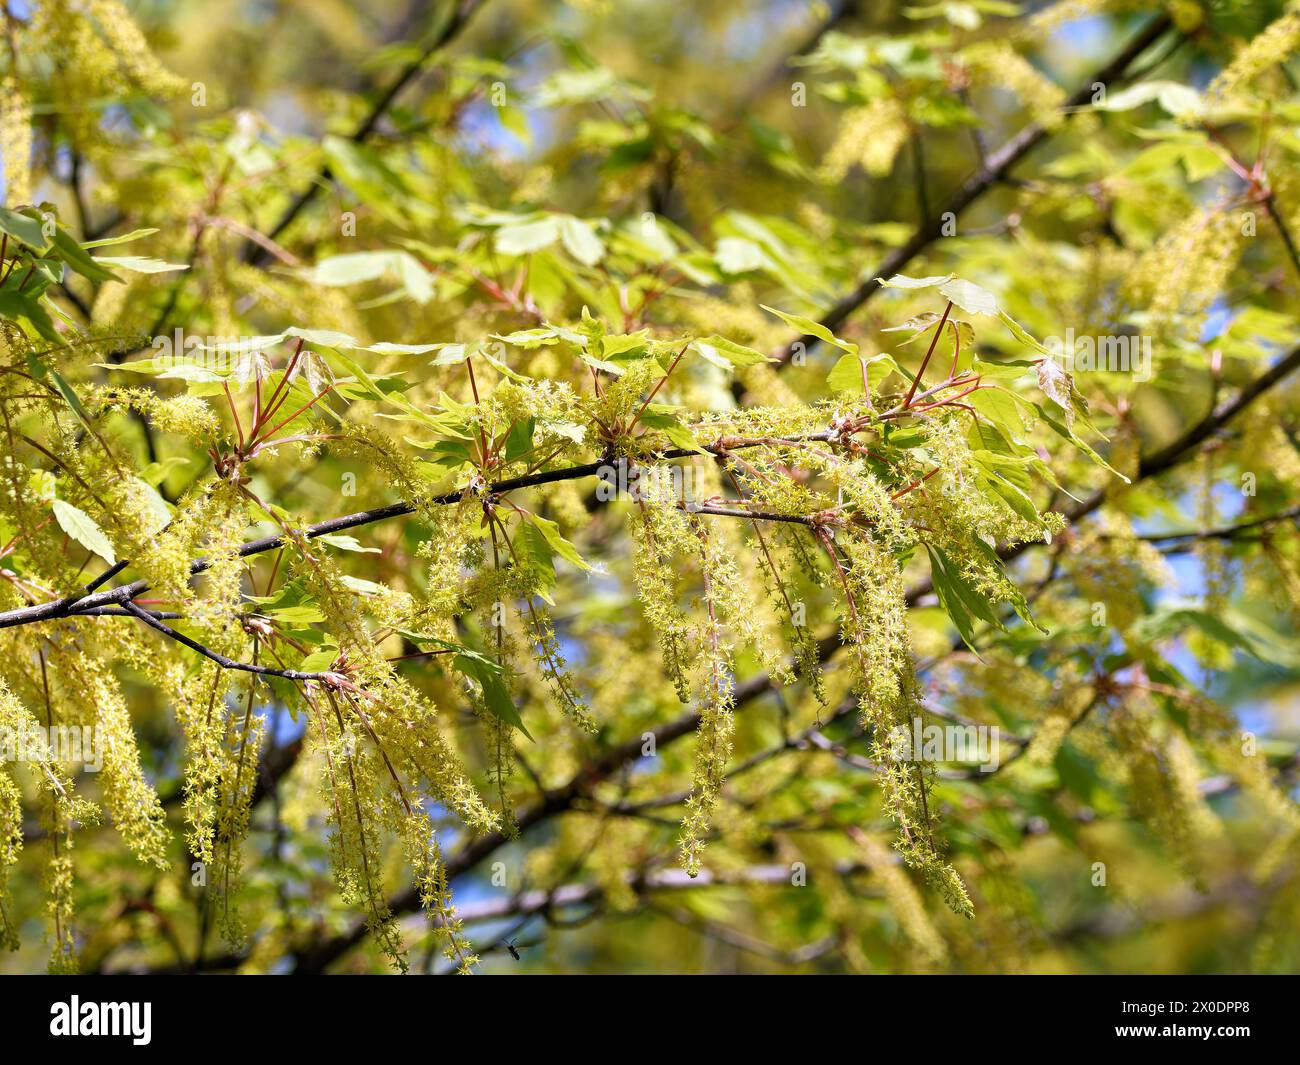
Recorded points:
463,580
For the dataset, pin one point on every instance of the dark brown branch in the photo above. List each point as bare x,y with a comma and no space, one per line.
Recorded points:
227,663
1225,532
1284,231
75,605
995,169
741,512
1219,417
256,252
123,612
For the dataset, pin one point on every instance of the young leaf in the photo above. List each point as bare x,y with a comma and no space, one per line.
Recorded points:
81,527
496,696
22,228
580,240
903,281
139,264
961,601
727,354
849,372
807,327
970,297
551,532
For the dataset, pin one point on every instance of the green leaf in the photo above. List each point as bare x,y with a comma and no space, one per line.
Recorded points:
727,354
125,238
140,264
1012,496
535,553
558,543
903,281
351,269
496,696
73,400
1014,596
1055,382
326,338
970,297
24,306
76,257
500,366
735,255
848,373
361,585
22,228
355,368
357,267
519,441
1173,96
451,355
580,240
290,604
81,527
423,639
160,513
385,348
530,338
1000,408
347,543
920,324
664,421
319,661
1067,433
961,601
527,236
807,327
1021,333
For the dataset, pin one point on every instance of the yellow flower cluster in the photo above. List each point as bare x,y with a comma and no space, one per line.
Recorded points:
712,747
998,64
660,535
1056,15
15,140
870,137
130,48
904,900
1178,279
1276,44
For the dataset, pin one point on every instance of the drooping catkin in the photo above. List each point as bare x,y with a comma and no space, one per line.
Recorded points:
1274,45
15,140
661,537
997,64
717,722
869,136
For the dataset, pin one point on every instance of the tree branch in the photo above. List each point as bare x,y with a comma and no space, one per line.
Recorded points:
226,663
995,169
1225,532
256,252
89,600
